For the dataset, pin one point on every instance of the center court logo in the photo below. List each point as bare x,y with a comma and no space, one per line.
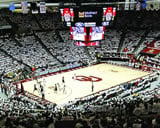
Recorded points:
88,78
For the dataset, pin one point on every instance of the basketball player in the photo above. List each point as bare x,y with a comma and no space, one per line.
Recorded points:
74,77
22,88
92,86
55,88
35,88
63,80
44,82
64,89
43,96
89,63
58,85
41,88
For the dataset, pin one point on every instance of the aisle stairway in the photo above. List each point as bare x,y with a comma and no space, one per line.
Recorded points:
123,35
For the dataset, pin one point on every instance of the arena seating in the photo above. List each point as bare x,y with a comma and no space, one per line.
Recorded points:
131,41
23,21
28,49
66,52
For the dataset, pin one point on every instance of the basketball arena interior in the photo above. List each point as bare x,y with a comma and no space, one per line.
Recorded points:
80,64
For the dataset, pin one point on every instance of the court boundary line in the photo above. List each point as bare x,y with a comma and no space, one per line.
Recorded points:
76,68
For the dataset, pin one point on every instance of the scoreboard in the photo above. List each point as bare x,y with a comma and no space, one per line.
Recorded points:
81,34
87,24
88,16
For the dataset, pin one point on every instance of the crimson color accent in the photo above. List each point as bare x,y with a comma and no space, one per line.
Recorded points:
66,10
88,78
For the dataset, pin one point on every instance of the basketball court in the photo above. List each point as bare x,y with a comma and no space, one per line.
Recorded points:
78,83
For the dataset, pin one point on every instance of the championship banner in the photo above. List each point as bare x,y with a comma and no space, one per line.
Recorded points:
153,48
12,7
42,7
138,6
126,5
24,5
132,4
144,4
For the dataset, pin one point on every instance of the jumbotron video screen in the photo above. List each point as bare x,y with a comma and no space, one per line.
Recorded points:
87,24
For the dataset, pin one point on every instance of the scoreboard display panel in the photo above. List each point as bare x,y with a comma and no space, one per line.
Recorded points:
87,34
87,23
88,16
78,33
96,33
67,14
109,14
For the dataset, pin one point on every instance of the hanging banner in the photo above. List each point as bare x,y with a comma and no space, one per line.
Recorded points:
132,4
144,4
42,7
24,5
138,6
126,5
12,7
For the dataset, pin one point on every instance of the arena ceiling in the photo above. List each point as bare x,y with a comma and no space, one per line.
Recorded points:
64,1
15,1
56,3
9,1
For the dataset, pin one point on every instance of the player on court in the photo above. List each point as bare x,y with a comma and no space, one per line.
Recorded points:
74,76
92,86
64,86
58,86
43,95
55,88
64,89
44,82
35,88
63,80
